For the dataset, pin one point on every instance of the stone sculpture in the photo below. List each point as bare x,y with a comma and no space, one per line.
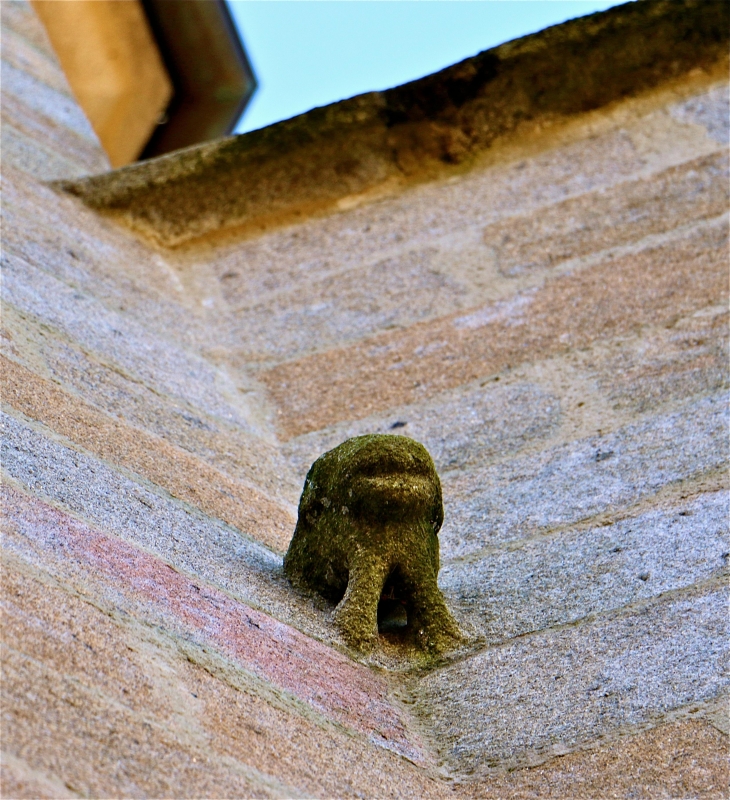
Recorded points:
368,521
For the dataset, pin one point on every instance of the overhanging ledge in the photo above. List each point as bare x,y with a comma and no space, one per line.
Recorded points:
414,132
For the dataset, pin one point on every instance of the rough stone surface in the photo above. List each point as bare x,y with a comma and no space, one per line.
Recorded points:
135,511
576,481
542,694
686,359
532,284
155,592
169,370
449,217
684,759
707,111
143,679
458,429
678,196
615,297
43,129
226,447
439,240
556,580
242,506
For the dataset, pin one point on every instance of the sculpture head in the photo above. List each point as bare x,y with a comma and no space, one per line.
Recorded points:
376,477
369,517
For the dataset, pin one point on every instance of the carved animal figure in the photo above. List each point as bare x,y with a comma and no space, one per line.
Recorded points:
368,521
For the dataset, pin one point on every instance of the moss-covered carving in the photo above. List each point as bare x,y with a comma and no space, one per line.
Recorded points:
367,531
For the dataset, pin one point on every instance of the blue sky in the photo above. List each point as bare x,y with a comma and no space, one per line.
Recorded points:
309,53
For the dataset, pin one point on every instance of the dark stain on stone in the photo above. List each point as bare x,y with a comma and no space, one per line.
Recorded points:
444,92
347,166
367,540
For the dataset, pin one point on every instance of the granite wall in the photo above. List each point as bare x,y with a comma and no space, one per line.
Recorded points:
547,314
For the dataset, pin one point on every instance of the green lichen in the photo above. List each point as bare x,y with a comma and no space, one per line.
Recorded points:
367,536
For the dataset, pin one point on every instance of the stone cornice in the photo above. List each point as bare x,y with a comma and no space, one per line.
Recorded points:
424,129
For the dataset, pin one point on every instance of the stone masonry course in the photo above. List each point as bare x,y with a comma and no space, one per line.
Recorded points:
520,262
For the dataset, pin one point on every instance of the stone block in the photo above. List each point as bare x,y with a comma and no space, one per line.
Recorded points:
168,682
18,17
19,780
96,744
432,238
665,365
354,304
132,510
150,590
653,286
560,579
527,699
679,759
183,476
26,53
460,429
224,446
612,217
709,110
124,342
576,481
39,98
52,234
429,217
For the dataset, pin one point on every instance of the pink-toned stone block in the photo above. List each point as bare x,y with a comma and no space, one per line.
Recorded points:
330,682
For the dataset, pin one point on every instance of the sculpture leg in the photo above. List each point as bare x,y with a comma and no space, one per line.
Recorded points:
357,613
434,628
